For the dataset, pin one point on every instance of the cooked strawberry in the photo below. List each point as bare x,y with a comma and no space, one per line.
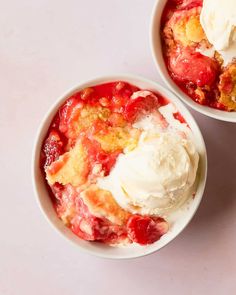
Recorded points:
191,66
146,230
66,112
92,228
140,103
53,147
121,95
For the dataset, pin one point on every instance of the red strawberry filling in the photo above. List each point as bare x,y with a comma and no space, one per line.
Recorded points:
145,229
53,147
191,66
139,229
92,228
142,103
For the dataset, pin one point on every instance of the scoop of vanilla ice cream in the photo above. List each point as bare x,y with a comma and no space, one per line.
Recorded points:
218,19
156,176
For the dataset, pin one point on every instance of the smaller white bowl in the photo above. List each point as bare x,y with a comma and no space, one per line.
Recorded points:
98,249
156,47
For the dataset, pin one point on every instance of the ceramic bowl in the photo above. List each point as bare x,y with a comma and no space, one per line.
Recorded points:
183,216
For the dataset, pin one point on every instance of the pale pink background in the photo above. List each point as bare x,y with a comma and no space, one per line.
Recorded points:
45,48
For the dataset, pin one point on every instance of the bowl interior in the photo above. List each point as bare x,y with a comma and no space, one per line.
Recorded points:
156,47
182,217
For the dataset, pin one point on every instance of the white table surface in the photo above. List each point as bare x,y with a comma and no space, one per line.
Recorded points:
45,48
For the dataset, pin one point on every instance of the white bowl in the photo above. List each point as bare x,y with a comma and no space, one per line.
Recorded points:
99,249
156,47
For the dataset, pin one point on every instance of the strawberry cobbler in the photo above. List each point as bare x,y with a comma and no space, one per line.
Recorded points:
118,160
197,59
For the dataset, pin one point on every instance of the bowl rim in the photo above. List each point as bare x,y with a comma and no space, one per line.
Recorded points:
155,41
43,127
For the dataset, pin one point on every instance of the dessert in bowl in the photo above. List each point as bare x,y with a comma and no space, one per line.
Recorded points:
119,166
194,47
